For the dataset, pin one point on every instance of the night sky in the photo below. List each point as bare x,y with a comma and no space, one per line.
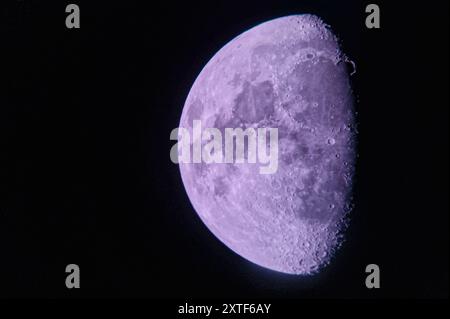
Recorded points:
86,177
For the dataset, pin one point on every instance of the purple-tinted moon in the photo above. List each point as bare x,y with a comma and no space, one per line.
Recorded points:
287,73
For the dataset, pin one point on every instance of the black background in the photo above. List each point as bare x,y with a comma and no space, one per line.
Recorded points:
85,174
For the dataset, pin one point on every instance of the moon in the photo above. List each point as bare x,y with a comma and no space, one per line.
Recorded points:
288,73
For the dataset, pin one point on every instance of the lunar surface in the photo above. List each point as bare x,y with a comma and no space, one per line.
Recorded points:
288,73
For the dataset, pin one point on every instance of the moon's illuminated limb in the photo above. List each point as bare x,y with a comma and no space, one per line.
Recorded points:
285,73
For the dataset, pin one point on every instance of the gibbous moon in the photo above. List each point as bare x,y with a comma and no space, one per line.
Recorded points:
288,73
